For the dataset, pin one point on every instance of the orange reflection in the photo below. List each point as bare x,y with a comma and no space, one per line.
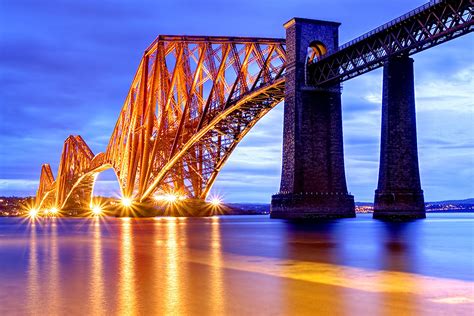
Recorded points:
172,288
396,256
172,280
53,283
127,299
33,290
217,283
96,294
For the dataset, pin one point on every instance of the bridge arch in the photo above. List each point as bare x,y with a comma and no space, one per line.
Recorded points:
79,196
239,118
316,50
47,200
191,101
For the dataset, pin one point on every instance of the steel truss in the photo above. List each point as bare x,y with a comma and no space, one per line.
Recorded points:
193,99
75,162
46,183
185,88
429,25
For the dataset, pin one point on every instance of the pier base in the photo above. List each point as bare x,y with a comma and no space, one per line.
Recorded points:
312,206
180,208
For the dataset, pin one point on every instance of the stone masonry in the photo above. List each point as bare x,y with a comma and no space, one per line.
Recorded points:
313,183
399,194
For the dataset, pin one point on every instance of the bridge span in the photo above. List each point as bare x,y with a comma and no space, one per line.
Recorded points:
194,98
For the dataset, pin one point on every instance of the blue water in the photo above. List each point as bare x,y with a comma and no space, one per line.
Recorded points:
168,266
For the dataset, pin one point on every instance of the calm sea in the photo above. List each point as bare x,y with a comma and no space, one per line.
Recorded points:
237,265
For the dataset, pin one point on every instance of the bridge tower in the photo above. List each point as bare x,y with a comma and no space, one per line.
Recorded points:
399,194
313,182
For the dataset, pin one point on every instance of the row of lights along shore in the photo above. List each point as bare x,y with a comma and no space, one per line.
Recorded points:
96,210
33,213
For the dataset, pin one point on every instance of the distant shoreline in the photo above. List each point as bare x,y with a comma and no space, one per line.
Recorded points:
17,206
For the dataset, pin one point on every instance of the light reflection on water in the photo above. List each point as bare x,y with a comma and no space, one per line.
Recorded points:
96,293
33,289
236,265
126,269
217,283
173,289
53,271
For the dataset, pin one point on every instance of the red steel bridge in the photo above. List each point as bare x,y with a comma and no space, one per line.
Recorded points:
194,98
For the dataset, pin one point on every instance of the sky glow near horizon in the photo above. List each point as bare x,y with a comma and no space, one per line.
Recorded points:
67,66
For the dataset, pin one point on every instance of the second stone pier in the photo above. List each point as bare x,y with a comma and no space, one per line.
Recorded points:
398,195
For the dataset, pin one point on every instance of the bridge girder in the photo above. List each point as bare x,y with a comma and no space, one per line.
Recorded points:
185,86
46,183
75,161
212,145
48,200
429,25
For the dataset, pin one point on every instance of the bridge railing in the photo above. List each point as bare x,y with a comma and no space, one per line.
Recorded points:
391,23
429,25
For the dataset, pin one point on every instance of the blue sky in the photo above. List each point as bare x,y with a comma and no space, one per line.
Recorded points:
66,67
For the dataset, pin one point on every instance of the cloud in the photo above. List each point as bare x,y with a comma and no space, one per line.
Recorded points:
17,187
447,93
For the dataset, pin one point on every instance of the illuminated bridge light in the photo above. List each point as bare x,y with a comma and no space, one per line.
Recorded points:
170,197
159,197
54,211
96,210
216,201
127,202
33,213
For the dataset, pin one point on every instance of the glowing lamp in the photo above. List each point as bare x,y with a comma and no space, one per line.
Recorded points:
96,210
170,198
216,201
33,213
159,197
127,202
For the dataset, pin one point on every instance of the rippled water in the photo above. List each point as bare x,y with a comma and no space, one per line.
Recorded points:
243,265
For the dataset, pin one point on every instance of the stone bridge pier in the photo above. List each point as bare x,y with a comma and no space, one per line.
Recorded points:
313,182
399,194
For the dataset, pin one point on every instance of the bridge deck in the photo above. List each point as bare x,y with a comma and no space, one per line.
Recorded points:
426,26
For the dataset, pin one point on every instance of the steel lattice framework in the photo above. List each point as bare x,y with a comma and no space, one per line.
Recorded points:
191,101
194,98
427,26
75,161
76,174
46,183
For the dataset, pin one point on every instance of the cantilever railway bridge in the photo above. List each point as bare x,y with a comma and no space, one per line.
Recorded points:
193,98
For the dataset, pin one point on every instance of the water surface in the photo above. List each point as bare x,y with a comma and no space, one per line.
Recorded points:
242,265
